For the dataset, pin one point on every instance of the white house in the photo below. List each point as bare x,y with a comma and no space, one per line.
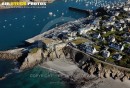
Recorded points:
126,35
124,25
126,8
105,53
117,57
102,38
86,29
96,21
112,18
111,39
97,35
109,23
116,46
110,28
82,31
122,21
117,14
90,49
120,28
72,34
128,19
93,27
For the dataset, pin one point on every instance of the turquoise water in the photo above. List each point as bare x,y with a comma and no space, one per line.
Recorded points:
34,78
17,25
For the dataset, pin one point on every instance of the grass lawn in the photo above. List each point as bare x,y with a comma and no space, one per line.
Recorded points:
47,40
97,47
127,45
100,57
34,50
110,60
79,41
108,34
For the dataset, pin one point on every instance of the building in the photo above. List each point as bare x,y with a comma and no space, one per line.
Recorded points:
83,31
119,28
126,8
105,53
109,23
109,28
117,13
96,21
90,49
72,34
116,46
128,19
122,21
112,18
126,35
117,57
96,35
111,39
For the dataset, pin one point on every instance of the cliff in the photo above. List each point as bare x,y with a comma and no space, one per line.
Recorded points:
32,59
95,67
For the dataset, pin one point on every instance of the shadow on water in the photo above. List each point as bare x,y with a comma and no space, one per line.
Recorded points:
6,66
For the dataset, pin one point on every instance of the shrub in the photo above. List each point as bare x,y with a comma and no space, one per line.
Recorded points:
34,50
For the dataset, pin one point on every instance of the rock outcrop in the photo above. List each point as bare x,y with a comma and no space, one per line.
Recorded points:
97,68
11,54
32,59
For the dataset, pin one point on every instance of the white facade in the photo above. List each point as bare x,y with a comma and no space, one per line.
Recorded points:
117,57
112,39
91,50
82,31
128,19
97,35
117,14
117,46
106,54
126,8
86,29
109,23
120,29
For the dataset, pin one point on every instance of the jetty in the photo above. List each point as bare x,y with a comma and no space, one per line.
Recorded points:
81,10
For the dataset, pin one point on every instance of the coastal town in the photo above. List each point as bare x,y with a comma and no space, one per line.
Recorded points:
105,34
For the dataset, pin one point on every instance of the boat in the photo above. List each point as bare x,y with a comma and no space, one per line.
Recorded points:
23,26
10,24
3,26
16,18
5,20
50,13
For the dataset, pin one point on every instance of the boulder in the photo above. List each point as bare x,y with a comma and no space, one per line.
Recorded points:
107,73
99,67
91,70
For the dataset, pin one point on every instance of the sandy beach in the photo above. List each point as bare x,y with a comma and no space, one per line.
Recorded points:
111,83
69,69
